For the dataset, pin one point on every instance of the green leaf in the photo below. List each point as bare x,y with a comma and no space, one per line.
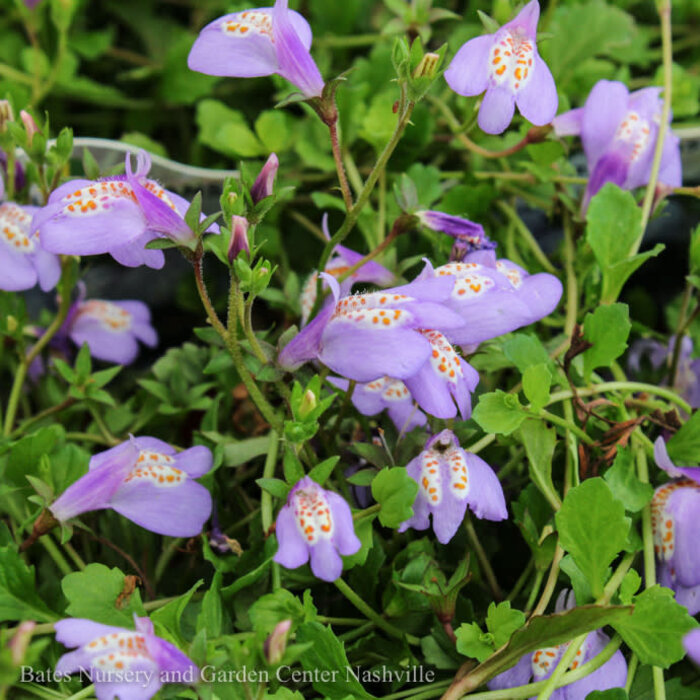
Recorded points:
323,470
611,694
328,653
613,227
237,453
608,329
498,412
624,483
472,642
539,442
525,350
293,470
629,586
94,593
272,608
656,628
211,615
276,487
272,128
18,597
502,622
25,455
537,380
395,491
226,130
168,617
593,529
684,446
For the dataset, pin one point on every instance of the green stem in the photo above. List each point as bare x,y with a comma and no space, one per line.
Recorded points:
664,8
268,473
481,444
527,236
539,575
551,583
55,553
70,550
418,692
571,282
164,559
84,693
566,660
22,428
370,614
338,158
102,426
483,559
563,423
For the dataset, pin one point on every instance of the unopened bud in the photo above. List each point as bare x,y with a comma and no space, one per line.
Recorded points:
308,404
20,642
239,237
265,182
276,644
11,324
427,68
6,114
29,124
460,248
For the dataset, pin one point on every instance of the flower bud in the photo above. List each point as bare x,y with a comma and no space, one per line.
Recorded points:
6,114
427,68
265,182
20,642
29,124
308,404
276,644
11,324
239,237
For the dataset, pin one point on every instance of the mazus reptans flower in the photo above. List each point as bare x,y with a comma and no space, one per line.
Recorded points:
317,525
147,481
450,479
508,68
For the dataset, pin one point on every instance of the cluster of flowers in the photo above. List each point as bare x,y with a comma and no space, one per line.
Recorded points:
397,344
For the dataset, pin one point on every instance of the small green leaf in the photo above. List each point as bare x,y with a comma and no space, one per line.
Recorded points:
656,628
395,491
539,442
525,350
293,471
18,597
323,470
684,446
502,622
276,487
472,642
629,586
608,329
537,380
498,412
211,615
593,529
624,483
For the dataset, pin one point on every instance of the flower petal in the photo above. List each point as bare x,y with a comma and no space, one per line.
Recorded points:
110,346
169,658
525,22
449,514
326,563
605,108
485,496
520,674
431,392
569,123
17,272
306,344
196,461
497,110
691,642
344,537
76,632
612,674
406,415
468,73
684,505
663,461
292,551
135,253
538,100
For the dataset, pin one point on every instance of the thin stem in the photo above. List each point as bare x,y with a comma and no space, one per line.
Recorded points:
338,158
564,663
70,550
268,473
522,580
55,553
84,693
370,614
482,443
551,582
22,428
563,423
102,426
483,559
664,8
527,236
571,282
539,575
528,178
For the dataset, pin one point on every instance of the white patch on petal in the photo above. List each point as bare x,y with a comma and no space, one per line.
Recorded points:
155,189
514,275
636,131
156,468
374,310
430,480
511,61
112,317
312,514
544,660
662,522
14,228
118,651
97,198
459,476
245,24
443,358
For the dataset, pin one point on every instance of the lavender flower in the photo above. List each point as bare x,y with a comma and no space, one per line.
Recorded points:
340,262
674,520
461,229
147,481
367,336
687,373
494,297
619,131
128,664
117,215
450,479
315,524
264,184
239,237
508,67
387,394
23,260
540,665
259,42
691,642
111,329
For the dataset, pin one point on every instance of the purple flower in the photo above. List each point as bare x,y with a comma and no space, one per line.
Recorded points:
494,297
23,260
116,215
315,524
339,263
676,526
691,642
128,664
450,479
147,481
387,393
239,237
259,42
462,229
540,665
688,371
619,131
264,184
508,67
111,329
368,336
